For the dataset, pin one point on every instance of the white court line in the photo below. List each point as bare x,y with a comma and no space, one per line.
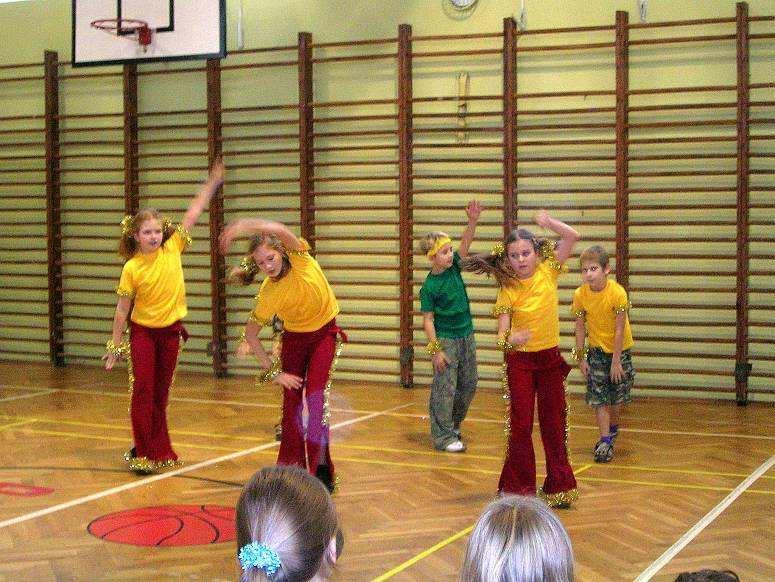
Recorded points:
33,395
684,540
174,472
424,416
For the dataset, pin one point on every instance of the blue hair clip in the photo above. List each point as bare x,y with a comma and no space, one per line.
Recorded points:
256,555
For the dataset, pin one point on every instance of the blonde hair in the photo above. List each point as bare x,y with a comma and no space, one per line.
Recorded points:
290,511
427,242
249,270
518,539
595,254
130,226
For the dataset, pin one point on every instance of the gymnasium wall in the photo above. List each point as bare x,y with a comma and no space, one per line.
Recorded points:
682,207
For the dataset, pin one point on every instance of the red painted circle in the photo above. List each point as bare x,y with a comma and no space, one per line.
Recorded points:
168,525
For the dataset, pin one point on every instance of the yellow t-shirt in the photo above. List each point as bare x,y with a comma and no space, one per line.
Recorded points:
302,298
599,309
533,304
155,282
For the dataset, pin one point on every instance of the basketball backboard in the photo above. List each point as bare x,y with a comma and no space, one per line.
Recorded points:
105,31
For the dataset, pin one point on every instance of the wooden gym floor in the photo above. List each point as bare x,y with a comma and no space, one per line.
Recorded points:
691,485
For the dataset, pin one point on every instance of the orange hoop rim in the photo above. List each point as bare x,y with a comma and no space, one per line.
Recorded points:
116,24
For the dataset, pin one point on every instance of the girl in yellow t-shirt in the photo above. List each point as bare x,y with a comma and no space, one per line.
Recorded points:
529,333
295,290
152,296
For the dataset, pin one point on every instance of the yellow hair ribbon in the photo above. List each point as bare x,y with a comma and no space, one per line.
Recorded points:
440,242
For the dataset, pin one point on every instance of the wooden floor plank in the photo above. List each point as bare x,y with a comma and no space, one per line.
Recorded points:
404,507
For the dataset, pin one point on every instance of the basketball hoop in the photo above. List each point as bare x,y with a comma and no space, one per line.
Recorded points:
125,26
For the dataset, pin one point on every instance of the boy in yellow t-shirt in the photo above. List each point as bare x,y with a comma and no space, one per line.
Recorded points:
600,306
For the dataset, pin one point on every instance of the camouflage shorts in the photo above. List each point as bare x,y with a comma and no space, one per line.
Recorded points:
601,391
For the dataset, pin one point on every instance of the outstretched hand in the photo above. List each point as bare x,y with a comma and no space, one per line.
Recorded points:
543,219
473,210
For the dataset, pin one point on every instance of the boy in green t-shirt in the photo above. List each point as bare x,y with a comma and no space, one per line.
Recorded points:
447,323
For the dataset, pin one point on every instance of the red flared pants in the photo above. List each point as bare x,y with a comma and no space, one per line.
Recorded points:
154,357
309,356
537,376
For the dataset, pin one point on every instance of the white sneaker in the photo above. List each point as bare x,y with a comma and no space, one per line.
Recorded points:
455,447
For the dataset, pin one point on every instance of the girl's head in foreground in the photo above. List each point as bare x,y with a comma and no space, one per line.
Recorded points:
518,539
266,253
146,231
287,526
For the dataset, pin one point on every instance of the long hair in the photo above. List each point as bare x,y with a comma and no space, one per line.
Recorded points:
518,539
496,263
130,226
248,270
290,511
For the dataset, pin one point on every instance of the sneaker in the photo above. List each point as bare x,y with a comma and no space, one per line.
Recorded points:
604,452
455,447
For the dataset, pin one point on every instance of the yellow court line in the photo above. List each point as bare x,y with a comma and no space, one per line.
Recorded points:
422,555
122,439
680,471
672,485
13,424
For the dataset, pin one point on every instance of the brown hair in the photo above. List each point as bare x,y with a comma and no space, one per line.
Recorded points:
290,511
518,539
248,271
596,254
130,226
708,576
498,265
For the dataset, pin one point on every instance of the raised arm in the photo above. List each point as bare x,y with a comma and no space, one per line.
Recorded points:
568,235
248,226
473,211
202,198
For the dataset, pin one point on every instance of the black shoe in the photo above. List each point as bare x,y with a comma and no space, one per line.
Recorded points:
323,473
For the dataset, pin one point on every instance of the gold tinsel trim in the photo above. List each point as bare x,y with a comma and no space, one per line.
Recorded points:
266,376
497,250
305,248
579,313
434,347
623,308
327,389
126,225
124,293
546,251
146,465
579,354
507,399
561,499
248,265
258,322
184,234
501,309
120,351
